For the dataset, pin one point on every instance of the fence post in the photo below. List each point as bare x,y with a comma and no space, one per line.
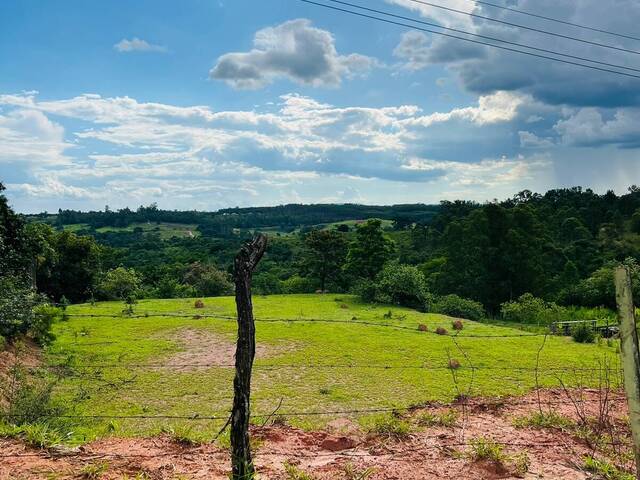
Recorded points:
630,354
245,263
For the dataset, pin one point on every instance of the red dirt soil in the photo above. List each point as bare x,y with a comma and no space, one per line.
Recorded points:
342,448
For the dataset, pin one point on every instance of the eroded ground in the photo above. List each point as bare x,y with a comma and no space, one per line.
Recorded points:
344,451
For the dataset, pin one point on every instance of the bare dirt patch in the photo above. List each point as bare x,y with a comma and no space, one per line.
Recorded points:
202,349
425,454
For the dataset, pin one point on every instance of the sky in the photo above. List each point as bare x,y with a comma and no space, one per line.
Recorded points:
206,104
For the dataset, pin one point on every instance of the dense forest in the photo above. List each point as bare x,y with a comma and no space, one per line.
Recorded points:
559,247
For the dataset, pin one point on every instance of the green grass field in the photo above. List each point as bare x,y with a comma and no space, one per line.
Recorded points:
165,230
354,356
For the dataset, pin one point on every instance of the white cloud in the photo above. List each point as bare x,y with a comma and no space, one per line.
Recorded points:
28,136
138,45
294,50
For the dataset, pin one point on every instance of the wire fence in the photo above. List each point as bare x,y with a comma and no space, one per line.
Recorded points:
523,377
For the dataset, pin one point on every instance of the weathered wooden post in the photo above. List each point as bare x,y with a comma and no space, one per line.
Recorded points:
244,265
630,354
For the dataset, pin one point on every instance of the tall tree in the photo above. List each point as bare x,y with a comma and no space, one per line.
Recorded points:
325,255
369,251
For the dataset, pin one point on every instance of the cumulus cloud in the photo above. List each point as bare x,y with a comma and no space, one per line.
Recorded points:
591,127
138,45
29,137
294,50
483,70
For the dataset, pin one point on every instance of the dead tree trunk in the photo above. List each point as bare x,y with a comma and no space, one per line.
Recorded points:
245,263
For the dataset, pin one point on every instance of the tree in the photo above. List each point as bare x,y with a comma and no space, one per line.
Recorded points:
402,285
369,251
73,269
208,280
635,222
324,256
120,283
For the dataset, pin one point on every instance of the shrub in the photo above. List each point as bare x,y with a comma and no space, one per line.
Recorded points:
457,325
44,316
454,364
366,290
530,309
583,333
445,419
487,449
24,312
120,283
208,281
422,327
455,306
297,284
442,331
391,427
402,285
199,304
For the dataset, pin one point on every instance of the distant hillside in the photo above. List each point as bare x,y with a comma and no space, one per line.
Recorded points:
283,217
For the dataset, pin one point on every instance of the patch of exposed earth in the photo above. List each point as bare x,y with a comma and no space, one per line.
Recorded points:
427,453
201,348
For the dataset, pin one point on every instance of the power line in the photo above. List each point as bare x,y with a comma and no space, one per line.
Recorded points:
537,30
486,37
501,47
552,19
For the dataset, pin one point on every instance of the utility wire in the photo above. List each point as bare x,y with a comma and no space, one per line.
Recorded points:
501,47
552,19
486,37
537,30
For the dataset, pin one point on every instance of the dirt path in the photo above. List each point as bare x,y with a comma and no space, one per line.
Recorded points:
343,451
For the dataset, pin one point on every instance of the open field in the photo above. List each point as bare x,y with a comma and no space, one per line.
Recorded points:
357,357
164,229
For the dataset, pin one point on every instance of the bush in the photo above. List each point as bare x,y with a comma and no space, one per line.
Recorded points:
583,333
366,290
44,316
402,285
17,312
455,306
120,283
297,284
208,281
530,309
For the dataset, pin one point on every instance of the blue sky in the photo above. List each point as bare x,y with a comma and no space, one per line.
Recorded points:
209,104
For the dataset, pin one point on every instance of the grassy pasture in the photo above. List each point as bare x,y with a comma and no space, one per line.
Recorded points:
165,230
503,364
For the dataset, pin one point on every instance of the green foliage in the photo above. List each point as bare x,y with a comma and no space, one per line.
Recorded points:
369,251
37,435
294,473
391,426
297,284
544,420
447,419
207,280
17,303
94,471
605,470
599,288
583,333
487,449
324,256
456,306
120,283
366,289
28,397
44,317
635,221
532,310
402,285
